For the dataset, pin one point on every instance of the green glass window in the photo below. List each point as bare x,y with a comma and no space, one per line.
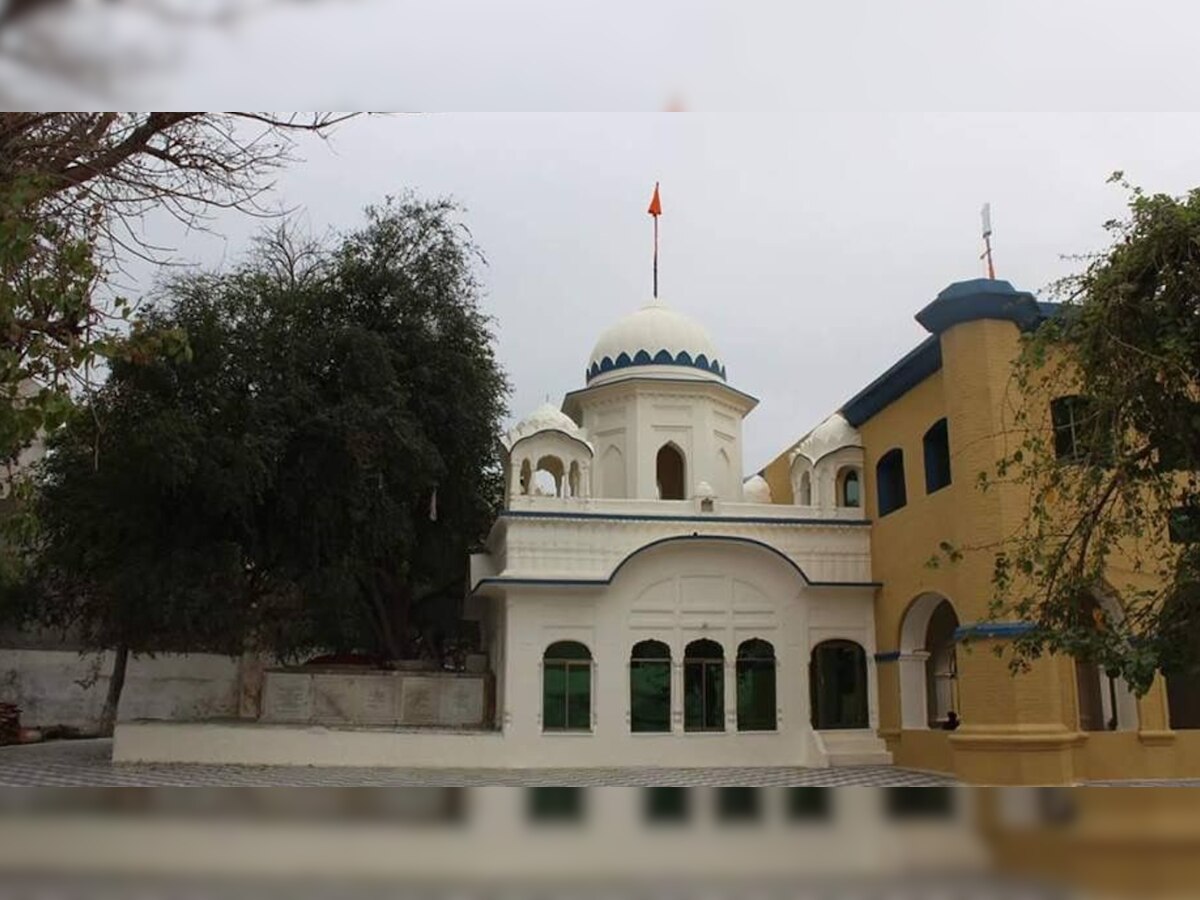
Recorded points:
704,686
567,687
756,686
650,687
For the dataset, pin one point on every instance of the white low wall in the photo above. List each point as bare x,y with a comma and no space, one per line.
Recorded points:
48,686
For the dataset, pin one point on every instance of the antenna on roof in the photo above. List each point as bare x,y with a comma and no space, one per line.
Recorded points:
986,215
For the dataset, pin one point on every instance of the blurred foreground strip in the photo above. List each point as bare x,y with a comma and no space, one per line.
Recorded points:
563,841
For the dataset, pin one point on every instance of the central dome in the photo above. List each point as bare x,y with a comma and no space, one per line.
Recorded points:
656,335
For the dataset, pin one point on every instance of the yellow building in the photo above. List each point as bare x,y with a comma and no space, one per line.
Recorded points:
928,426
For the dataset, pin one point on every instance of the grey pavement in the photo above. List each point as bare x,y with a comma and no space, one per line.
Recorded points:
88,763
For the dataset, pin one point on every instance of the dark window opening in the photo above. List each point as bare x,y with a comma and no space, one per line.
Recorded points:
838,685
567,687
669,470
937,457
650,687
849,488
889,478
756,709
941,667
1183,527
704,686
1081,433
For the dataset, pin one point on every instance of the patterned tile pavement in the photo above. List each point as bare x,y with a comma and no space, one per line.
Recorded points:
88,763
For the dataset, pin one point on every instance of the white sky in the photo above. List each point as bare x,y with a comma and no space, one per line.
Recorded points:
807,217
804,242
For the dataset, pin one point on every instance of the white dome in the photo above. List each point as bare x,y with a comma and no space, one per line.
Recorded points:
656,335
756,490
546,417
832,434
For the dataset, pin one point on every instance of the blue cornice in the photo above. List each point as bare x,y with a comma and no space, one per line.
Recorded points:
887,656
661,358
913,368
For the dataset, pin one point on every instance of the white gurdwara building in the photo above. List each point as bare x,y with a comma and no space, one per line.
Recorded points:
644,606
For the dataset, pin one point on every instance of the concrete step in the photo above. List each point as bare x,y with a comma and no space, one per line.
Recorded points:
858,747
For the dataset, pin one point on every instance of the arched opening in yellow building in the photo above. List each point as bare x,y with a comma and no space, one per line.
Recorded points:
929,663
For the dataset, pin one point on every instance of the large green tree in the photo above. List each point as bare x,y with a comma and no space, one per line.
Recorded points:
318,463
1112,473
74,188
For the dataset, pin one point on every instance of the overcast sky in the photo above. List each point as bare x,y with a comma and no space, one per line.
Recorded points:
804,242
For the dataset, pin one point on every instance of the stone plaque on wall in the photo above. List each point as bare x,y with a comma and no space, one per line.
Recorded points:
287,697
377,698
462,701
419,700
335,699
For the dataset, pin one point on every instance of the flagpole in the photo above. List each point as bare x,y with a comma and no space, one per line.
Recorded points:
656,257
655,211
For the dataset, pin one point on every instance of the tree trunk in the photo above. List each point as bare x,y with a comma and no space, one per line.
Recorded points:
116,681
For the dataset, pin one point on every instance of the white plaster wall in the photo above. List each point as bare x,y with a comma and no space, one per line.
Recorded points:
677,593
640,418
46,685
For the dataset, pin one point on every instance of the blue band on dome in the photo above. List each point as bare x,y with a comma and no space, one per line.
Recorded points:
661,358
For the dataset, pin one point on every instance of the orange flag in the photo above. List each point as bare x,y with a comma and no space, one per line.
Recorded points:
655,204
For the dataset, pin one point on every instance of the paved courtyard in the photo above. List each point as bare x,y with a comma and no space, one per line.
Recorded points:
88,763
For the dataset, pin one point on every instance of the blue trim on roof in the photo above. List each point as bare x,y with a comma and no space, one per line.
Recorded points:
663,357
602,582
963,301
993,630
980,298
633,517
912,368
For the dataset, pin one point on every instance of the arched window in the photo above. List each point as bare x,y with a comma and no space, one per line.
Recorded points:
567,687
838,685
548,477
937,456
941,666
573,480
526,477
1081,431
1106,702
889,481
805,498
704,686
650,687
849,487
756,686
669,470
